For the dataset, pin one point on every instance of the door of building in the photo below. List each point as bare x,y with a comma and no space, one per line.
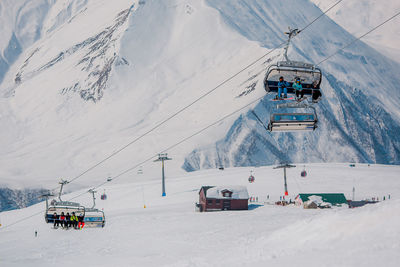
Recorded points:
226,205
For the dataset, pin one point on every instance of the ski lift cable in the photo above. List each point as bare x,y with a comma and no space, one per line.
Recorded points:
193,102
174,115
169,118
365,34
20,220
175,145
317,18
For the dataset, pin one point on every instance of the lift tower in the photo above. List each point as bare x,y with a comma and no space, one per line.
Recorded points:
284,166
163,157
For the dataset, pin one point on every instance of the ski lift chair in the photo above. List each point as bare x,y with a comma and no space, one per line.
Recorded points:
251,179
94,217
309,75
61,206
289,122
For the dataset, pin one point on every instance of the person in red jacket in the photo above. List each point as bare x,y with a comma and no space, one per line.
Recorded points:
63,221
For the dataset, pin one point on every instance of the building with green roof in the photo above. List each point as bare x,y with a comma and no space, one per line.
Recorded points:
335,199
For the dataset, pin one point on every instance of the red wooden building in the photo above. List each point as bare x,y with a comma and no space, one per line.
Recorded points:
223,198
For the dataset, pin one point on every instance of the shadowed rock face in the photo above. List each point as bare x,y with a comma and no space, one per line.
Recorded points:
97,62
11,199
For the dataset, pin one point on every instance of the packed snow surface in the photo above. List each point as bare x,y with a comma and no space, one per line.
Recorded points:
168,232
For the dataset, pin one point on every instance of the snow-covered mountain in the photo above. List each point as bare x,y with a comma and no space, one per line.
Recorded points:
359,113
94,75
357,17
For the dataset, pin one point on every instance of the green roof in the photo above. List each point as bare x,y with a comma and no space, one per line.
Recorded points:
333,198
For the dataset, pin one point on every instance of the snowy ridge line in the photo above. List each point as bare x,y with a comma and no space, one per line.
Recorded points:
146,160
365,34
196,100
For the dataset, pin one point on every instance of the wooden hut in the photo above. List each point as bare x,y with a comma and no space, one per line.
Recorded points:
223,198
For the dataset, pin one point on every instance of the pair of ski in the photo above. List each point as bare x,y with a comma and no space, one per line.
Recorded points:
289,98
65,228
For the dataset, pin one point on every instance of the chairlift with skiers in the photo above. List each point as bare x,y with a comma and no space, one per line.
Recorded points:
57,207
309,75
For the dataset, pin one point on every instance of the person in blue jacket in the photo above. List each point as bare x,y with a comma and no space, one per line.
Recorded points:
298,88
282,84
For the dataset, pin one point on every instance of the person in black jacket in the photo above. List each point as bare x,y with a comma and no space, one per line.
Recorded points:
68,220
56,220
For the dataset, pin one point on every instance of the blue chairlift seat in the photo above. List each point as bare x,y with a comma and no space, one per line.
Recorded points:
94,218
286,122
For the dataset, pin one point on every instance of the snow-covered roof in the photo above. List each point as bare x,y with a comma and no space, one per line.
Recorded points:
333,198
238,192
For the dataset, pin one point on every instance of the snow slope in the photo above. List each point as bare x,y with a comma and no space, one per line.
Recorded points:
168,232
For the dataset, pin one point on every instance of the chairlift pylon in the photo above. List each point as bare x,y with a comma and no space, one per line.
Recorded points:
310,76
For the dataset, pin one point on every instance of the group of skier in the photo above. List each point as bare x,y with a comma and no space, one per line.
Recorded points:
66,220
283,85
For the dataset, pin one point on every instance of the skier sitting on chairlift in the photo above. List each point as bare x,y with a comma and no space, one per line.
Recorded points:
67,220
62,220
56,220
316,94
74,220
282,84
81,223
298,87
